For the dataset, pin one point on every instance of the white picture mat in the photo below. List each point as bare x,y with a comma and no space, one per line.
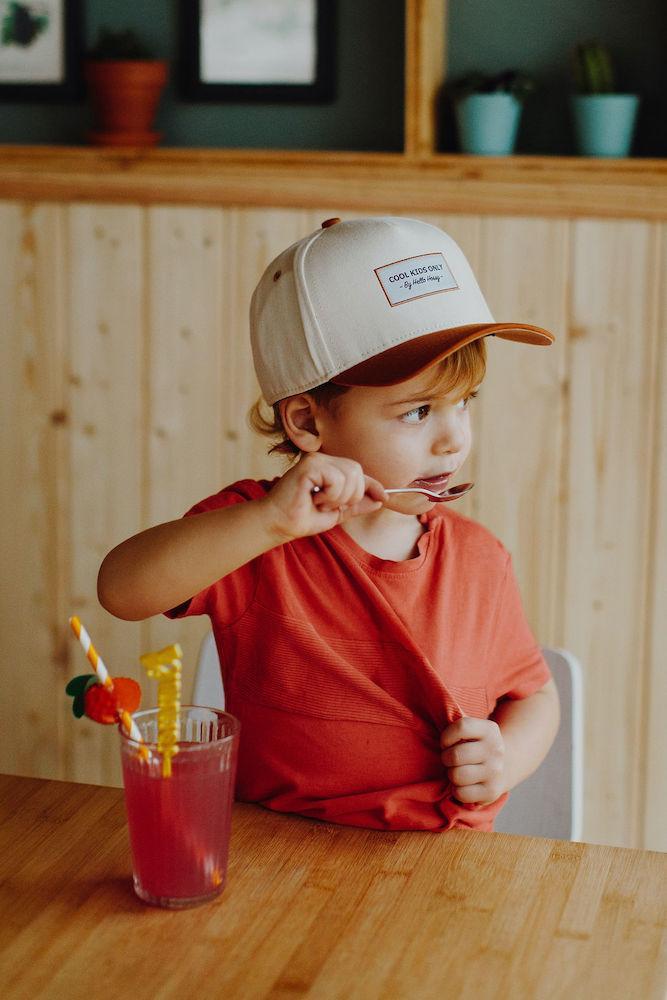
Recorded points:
258,41
43,61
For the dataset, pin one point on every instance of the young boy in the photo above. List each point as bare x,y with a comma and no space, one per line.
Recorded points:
372,645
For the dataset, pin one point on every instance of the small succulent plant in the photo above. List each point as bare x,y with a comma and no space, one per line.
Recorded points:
123,44
593,69
510,81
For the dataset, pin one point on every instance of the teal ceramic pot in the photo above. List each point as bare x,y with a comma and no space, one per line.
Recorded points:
604,124
488,123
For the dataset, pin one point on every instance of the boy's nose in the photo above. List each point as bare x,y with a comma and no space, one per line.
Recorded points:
450,439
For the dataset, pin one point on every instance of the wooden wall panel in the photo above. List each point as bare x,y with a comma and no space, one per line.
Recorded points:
607,487
204,266
523,273
126,384
653,779
33,486
184,388
106,322
252,237
466,230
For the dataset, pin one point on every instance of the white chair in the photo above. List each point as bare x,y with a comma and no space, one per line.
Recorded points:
208,688
550,802
547,804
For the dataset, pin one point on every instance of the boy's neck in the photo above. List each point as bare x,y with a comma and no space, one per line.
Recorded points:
386,534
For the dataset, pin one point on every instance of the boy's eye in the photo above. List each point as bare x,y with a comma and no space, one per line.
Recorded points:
463,403
417,415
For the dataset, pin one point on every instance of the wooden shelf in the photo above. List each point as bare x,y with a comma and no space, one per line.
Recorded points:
416,180
373,182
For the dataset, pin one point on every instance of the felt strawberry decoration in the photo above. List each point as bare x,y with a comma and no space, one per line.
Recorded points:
101,703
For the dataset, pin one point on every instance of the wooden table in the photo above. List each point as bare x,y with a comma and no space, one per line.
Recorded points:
322,911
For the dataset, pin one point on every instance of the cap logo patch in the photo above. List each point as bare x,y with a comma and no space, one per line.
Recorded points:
414,277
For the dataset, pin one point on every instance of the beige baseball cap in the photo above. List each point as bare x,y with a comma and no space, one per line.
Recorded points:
367,302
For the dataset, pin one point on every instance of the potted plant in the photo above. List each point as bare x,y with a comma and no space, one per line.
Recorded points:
488,111
604,119
125,84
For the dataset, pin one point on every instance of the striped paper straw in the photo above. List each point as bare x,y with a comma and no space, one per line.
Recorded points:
97,663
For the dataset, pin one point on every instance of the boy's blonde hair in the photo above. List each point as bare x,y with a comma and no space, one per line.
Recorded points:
459,372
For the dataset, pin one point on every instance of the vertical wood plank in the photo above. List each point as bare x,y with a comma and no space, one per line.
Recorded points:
654,711
187,380
33,487
522,273
424,72
466,231
612,354
252,238
106,315
204,267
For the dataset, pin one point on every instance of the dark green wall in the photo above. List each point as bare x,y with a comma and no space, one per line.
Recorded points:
532,35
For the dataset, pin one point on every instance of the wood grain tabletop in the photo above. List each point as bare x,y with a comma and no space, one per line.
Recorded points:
322,911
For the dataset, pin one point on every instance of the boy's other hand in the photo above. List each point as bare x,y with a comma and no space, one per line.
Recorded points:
343,492
473,753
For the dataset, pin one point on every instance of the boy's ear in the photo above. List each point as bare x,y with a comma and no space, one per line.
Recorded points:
298,417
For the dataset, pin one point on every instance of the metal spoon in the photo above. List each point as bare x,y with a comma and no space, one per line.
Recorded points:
451,494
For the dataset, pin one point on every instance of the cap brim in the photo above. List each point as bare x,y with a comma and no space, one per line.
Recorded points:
415,356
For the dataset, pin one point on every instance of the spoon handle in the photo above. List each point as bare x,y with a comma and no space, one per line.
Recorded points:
451,494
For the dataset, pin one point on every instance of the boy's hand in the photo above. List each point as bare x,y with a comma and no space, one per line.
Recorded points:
343,492
474,756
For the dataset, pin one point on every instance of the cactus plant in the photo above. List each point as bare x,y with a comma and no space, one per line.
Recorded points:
604,118
593,69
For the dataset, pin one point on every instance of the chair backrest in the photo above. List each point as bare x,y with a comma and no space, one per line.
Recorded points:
208,688
550,802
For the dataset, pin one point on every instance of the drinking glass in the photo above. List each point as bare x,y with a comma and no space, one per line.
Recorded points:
180,825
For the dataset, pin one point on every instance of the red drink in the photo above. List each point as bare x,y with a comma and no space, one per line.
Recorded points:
180,826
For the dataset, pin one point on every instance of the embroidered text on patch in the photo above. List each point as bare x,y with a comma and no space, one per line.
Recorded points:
414,277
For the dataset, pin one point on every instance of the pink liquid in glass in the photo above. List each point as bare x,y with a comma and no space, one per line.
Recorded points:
180,826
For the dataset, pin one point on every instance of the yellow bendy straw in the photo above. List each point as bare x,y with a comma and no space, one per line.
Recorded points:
97,663
165,667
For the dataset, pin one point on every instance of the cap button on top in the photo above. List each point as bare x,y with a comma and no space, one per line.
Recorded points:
329,222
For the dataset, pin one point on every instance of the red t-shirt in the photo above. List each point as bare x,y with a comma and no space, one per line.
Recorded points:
344,668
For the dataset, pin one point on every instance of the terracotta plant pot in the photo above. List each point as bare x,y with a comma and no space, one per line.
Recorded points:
125,95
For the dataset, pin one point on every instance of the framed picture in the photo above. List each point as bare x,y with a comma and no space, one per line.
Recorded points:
40,50
257,50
